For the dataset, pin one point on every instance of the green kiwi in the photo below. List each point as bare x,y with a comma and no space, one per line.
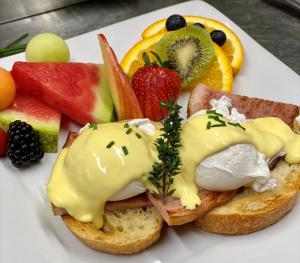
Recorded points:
189,51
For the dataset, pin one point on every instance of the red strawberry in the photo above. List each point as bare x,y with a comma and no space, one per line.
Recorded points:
3,143
153,85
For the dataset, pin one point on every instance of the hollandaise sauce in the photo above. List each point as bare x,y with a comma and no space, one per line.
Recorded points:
98,165
106,158
201,139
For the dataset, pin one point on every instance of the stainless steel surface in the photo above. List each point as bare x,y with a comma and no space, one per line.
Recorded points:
274,25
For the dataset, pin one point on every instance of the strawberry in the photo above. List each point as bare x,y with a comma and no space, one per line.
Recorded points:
152,85
3,143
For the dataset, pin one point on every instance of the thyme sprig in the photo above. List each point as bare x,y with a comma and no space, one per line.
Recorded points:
163,172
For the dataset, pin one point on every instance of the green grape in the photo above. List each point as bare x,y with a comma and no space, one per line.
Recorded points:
47,47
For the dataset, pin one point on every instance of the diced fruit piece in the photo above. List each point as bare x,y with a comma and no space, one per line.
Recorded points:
23,147
7,89
175,22
233,47
125,101
47,47
3,143
153,85
218,36
78,90
189,50
44,119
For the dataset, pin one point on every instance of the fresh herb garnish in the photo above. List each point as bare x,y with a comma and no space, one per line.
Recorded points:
126,125
163,172
129,130
14,47
138,135
110,144
125,151
93,126
236,125
212,114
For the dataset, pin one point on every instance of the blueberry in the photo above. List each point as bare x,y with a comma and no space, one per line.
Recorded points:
175,22
199,24
218,37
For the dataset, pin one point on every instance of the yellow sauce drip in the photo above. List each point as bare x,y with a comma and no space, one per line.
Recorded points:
87,173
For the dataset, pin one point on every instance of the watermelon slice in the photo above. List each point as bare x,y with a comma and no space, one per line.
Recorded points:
125,101
44,119
78,90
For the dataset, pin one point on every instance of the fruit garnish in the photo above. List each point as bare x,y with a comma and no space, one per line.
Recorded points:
175,22
23,147
218,36
125,101
3,143
154,84
44,119
78,90
47,47
232,47
14,47
133,59
199,24
189,50
7,89
219,75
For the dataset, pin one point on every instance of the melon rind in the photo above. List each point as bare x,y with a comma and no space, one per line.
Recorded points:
48,131
104,108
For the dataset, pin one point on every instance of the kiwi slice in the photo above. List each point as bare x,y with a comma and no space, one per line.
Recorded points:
189,51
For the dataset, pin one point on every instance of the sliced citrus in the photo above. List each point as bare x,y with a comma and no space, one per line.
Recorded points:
232,48
133,60
219,76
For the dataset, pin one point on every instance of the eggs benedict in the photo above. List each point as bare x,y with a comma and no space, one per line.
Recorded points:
220,151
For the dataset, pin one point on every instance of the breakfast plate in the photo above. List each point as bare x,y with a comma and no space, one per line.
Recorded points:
30,233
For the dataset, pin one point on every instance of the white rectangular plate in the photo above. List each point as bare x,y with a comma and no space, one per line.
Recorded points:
30,233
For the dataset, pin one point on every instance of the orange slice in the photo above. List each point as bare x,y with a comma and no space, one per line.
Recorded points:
232,48
219,76
133,60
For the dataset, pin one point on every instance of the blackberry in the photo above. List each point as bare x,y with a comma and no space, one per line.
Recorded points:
23,147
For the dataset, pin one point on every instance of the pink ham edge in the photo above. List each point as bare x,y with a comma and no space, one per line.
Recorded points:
251,107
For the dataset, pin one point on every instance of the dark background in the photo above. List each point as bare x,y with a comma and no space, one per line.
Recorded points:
274,25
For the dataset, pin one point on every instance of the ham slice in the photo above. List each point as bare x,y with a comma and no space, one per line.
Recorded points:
175,214
250,107
134,202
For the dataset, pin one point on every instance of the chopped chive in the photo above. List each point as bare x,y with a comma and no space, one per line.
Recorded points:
208,125
216,118
126,125
125,151
214,112
110,144
129,131
93,126
236,125
138,135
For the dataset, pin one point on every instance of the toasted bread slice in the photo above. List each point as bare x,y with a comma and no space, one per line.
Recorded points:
250,211
124,232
